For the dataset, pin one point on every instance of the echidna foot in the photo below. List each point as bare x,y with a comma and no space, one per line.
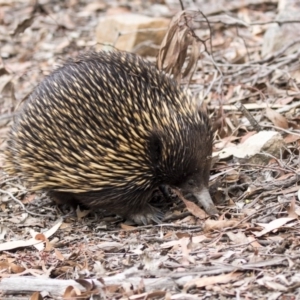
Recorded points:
143,218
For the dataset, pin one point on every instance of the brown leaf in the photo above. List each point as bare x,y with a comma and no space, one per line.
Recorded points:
276,118
284,101
117,10
192,63
292,209
81,213
211,225
3,70
174,52
59,255
71,293
182,234
40,237
291,138
28,198
254,242
86,284
36,296
232,176
16,268
246,136
156,294
95,6
22,26
5,83
127,227
202,282
194,209
11,267
185,249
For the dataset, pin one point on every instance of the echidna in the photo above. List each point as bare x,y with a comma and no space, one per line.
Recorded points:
107,129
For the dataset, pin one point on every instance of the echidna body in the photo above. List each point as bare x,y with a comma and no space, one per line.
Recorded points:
107,129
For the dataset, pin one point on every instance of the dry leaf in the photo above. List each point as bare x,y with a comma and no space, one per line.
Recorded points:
36,296
174,52
117,10
28,198
40,237
184,243
203,282
95,6
11,267
284,101
110,246
291,138
276,118
254,242
237,238
276,224
246,136
181,235
195,240
32,241
22,26
59,255
86,284
194,209
156,295
71,293
210,225
5,83
127,227
292,209
232,176
249,106
81,213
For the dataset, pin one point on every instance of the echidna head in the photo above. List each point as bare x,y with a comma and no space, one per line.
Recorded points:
181,156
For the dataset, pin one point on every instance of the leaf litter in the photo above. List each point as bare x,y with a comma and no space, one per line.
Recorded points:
249,251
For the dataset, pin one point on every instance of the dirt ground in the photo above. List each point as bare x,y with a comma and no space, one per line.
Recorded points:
245,67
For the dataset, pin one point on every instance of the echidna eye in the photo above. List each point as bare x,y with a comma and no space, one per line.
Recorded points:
191,182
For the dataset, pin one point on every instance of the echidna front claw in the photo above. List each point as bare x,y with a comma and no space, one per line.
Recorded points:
143,218
139,219
158,216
